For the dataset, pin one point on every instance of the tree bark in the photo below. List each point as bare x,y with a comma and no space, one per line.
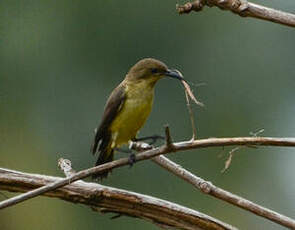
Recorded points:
107,199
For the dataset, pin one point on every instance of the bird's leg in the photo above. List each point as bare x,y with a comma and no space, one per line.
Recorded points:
153,139
131,159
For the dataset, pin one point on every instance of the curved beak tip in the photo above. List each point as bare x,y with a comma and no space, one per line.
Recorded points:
174,73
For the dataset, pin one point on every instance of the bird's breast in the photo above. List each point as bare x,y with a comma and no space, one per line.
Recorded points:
134,113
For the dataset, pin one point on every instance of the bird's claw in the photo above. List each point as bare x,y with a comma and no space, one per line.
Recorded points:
131,160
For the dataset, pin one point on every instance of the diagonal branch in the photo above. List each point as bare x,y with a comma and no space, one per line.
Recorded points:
186,145
242,8
107,199
210,189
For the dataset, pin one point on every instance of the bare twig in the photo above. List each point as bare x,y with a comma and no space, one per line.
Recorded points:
231,153
256,133
186,145
210,189
111,200
191,114
230,157
169,142
242,8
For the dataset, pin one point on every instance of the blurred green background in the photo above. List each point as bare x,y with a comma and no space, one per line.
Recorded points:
59,60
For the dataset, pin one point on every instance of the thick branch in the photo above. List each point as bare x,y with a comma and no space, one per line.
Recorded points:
107,199
186,145
242,8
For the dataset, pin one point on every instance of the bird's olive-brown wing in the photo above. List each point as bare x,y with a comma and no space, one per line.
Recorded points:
113,106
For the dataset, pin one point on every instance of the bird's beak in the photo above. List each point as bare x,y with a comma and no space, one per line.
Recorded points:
174,74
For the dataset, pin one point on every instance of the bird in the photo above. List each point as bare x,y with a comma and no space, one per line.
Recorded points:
128,108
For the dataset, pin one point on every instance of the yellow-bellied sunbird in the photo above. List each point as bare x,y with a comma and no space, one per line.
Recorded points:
128,107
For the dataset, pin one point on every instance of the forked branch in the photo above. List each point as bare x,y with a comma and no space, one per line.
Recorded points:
210,189
180,146
186,145
219,193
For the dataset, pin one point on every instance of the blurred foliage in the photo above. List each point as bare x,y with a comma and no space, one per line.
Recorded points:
59,60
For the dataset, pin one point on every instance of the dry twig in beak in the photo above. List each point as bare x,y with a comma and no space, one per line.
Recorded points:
189,95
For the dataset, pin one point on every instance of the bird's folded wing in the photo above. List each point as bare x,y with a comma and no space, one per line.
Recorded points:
113,107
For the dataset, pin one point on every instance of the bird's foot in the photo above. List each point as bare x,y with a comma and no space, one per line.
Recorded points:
131,159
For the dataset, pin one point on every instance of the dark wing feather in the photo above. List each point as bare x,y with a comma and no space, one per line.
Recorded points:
113,106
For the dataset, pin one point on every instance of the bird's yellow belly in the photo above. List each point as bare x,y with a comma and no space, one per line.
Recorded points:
132,117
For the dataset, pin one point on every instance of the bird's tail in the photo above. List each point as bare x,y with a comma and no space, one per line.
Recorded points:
106,155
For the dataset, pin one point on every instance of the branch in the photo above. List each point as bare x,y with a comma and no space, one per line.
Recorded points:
242,8
107,199
210,189
186,145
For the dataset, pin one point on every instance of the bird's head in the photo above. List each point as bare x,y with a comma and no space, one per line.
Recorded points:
151,70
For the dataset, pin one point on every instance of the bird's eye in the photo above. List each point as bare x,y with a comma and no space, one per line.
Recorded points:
154,70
